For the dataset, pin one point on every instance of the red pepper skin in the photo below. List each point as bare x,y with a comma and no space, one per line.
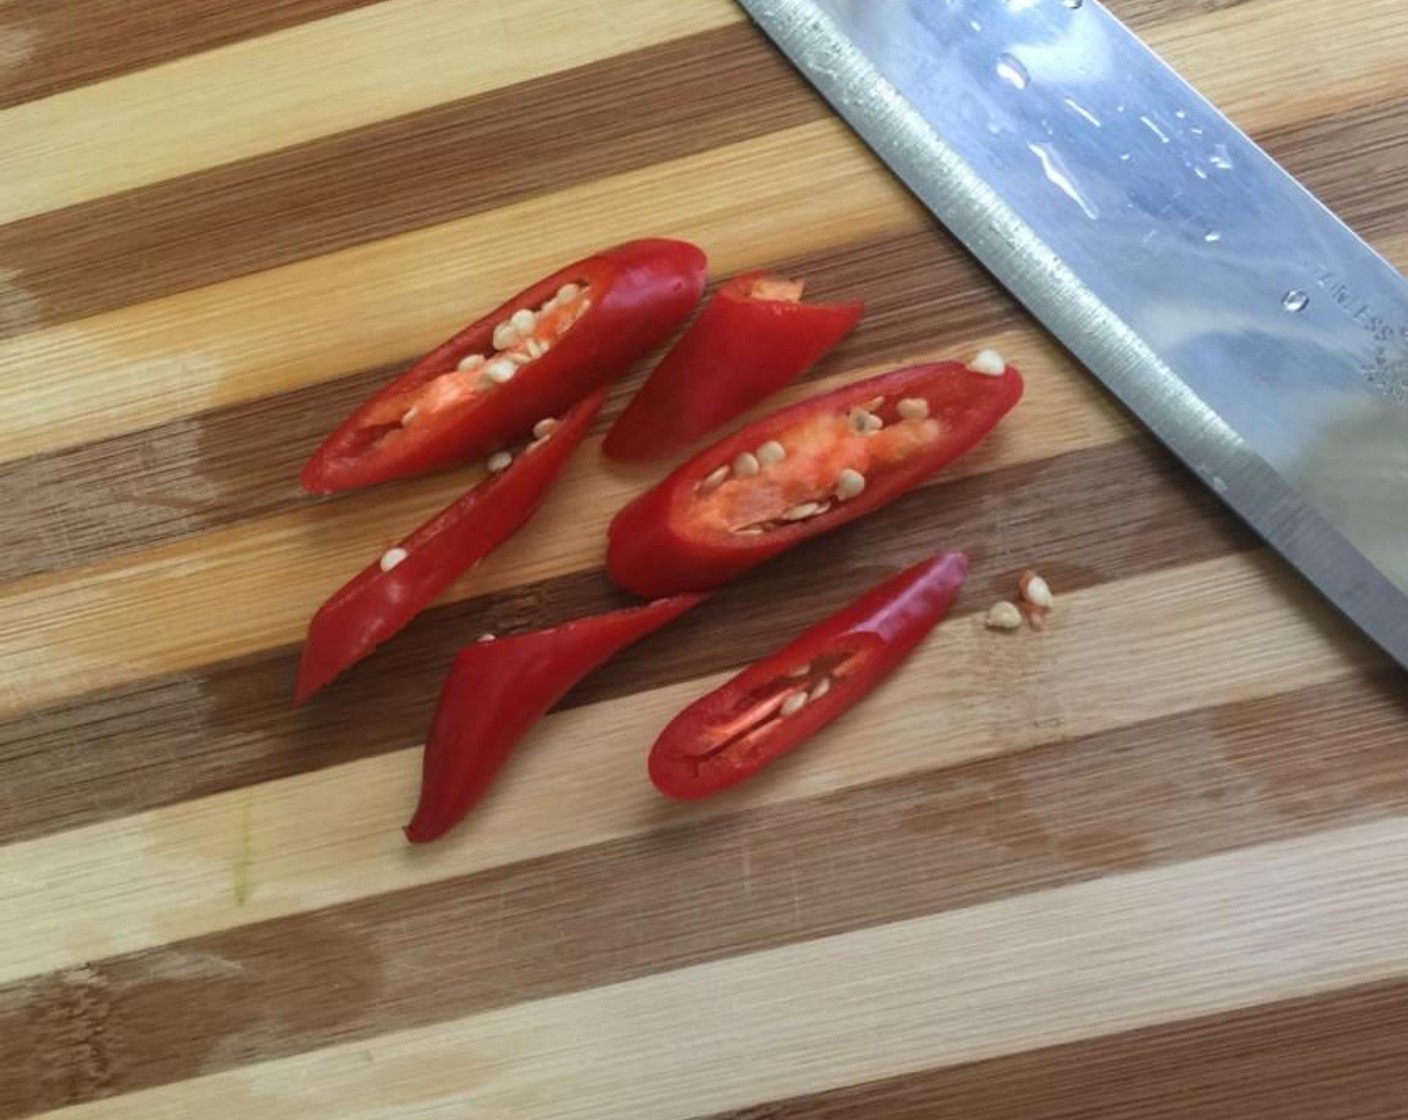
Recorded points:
377,604
641,291
497,690
656,547
740,350
699,753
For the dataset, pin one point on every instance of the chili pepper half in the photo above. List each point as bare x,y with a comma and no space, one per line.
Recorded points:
391,591
544,350
801,471
498,689
752,338
771,707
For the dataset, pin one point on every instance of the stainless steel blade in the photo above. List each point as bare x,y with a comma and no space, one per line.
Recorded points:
1248,327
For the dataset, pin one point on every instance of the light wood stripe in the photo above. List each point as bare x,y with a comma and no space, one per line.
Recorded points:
96,630
230,724
1213,633
377,303
48,46
293,85
1338,1056
1263,924
1149,795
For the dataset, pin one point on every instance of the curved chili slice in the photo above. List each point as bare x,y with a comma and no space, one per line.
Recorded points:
498,689
752,338
543,350
801,471
391,591
773,706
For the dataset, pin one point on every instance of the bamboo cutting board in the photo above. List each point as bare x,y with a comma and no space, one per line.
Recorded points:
1148,863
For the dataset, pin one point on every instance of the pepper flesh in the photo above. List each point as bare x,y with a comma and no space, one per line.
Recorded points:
622,303
497,690
731,733
751,339
380,601
707,522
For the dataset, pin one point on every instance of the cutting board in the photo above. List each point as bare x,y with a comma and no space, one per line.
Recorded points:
1147,862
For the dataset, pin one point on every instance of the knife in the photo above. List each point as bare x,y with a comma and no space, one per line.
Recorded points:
1236,316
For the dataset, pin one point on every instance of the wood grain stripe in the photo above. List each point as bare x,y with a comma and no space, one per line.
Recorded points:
96,632
48,46
1338,1056
292,86
1176,789
83,505
1134,950
231,725
1208,634
414,171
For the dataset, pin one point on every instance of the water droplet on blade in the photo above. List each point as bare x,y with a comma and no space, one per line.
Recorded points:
1212,237
1295,301
1013,72
1074,5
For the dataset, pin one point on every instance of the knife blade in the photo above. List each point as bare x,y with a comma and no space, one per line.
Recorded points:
1249,328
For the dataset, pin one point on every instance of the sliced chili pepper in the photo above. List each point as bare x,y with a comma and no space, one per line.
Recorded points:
498,689
771,707
751,339
801,471
542,351
391,591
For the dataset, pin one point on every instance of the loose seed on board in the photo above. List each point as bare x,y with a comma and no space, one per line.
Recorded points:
472,361
913,408
391,557
850,483
1004,616
524,321
714,479
1036,590
500,371
988,362
500,461
804,511
820,689
794,703
771,452
505,335
746,465
543,428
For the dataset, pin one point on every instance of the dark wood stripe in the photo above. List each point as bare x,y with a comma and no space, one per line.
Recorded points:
1163,792
410,172
229,725
102,500
136,490
55,45
1340,1056
403,174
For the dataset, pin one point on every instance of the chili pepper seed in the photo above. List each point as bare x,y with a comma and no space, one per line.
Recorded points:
500,461
850,483
746,465
794,703
470,362
715,479
988,362
804,511
524,321
771,452
1004,616
500,371
1036,590
543,428
505,335
913,408
391,557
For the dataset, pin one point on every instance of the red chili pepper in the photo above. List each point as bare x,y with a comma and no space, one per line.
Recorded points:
801,471
575,331
498,689
771,707
751,339
391,591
